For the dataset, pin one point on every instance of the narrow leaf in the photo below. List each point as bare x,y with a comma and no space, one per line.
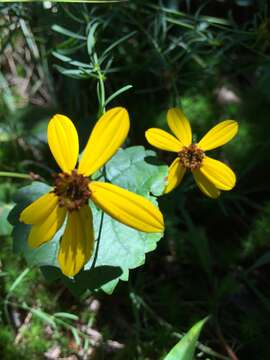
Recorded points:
117,93
263,260
185,348
18,280
91,39
67,32
66,315
43,316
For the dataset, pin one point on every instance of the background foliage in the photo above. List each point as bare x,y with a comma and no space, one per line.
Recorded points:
210,58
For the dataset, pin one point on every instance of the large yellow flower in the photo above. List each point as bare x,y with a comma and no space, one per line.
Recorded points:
73,189
210,175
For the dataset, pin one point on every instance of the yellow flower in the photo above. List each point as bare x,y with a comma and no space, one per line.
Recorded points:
73,189
210,175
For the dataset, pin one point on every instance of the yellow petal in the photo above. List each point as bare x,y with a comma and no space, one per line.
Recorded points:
219,135
39,209
205,185
179,125
176,173
63,142
45,230
77,243
107,136
163,140
218,173
128,208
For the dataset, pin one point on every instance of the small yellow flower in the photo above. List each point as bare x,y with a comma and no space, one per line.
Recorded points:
73,189
210,175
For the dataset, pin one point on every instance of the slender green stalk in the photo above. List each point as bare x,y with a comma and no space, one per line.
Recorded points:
101,90
14,175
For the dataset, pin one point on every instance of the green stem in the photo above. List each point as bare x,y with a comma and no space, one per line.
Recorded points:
101,90
98,240
14,175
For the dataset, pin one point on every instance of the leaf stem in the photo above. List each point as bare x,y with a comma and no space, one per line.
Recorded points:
102,98
98,240
14,175
100,227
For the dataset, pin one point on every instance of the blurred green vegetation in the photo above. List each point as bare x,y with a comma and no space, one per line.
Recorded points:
213,60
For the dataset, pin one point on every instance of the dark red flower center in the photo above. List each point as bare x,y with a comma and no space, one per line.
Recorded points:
191,157
72,190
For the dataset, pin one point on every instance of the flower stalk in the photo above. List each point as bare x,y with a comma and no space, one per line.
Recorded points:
15,175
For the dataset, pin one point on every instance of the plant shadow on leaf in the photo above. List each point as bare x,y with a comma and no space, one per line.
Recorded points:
153,160
92,279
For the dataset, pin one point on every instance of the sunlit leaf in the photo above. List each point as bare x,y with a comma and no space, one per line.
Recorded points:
119,248
5,227
67,32
66,315
44,316
185,348
117,93
91,39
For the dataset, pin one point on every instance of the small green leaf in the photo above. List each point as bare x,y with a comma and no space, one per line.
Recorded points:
66,315
43,316
91,39
17,281
75,74
185,348
118,42
76,336
5,227
69,60
66,32
117,93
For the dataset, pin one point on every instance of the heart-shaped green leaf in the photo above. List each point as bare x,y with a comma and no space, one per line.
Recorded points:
119,248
